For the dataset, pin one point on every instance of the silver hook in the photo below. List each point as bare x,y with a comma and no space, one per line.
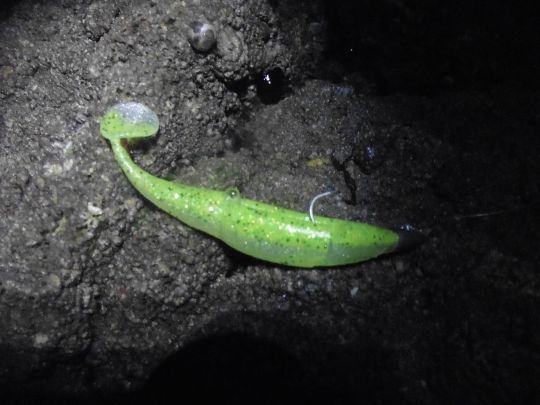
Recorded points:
312,203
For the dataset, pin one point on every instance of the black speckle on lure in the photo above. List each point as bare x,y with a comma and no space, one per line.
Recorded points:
254,228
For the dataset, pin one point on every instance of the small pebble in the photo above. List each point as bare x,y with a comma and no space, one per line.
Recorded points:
201,36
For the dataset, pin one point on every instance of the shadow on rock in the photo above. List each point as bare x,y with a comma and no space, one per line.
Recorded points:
239,368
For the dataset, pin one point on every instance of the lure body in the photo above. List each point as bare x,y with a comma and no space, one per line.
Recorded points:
257,229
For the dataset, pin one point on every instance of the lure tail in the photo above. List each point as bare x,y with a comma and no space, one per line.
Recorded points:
129,121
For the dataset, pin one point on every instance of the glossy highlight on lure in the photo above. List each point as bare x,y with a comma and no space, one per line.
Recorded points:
261,230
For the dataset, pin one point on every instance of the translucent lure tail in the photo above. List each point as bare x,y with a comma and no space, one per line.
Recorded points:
129,121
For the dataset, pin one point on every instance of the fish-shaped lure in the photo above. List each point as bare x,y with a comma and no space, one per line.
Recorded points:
257,229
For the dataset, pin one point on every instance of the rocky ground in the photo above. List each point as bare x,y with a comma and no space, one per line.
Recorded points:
422,116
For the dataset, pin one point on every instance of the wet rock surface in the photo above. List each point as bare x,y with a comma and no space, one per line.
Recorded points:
105,298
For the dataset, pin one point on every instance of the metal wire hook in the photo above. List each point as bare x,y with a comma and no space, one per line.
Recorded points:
312,203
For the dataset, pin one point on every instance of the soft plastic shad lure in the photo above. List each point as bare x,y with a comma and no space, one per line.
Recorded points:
257,229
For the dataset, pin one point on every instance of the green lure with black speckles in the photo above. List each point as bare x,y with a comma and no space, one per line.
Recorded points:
264,231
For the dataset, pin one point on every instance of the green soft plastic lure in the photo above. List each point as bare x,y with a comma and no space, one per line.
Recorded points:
257,229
